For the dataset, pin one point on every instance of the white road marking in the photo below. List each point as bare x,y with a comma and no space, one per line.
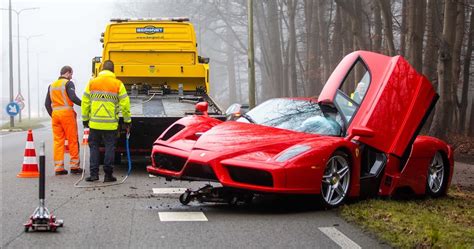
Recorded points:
168,191
339,238
182,216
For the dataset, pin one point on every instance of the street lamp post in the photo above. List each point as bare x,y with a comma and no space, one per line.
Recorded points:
251,56
28,70
17,12
38,84
10,52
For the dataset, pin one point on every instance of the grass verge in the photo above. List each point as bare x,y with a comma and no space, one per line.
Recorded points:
26,124
446,222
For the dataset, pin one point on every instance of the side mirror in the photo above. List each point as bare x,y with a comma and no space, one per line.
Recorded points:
95,61
361,132
202,107
233,112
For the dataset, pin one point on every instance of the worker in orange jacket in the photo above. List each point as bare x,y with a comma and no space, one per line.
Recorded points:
59,102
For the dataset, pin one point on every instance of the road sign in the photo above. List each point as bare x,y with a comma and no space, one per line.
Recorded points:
21,104
19,98
13,109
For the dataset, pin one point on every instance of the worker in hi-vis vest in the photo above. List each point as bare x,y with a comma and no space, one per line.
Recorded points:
105,96
59,103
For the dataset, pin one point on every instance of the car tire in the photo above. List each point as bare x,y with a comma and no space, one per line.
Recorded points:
185,198
335,183
437,176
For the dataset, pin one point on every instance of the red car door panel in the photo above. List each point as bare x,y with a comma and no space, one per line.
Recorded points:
395,103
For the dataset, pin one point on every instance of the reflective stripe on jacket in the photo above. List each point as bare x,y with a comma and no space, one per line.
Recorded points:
104,97
59,98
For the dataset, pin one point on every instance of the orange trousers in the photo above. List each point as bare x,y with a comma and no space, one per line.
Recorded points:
65,127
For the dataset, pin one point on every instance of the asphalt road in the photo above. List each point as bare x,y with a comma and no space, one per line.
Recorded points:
131,216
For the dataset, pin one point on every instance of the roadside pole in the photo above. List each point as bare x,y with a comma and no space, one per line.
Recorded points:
10,52
251,58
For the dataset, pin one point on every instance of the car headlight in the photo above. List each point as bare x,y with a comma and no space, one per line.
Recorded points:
292,152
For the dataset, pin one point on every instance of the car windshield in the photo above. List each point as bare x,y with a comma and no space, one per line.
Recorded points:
295,115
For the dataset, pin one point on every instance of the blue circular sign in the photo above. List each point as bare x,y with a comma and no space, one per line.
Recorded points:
13,109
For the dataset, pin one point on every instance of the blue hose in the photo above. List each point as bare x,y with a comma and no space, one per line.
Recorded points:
127,146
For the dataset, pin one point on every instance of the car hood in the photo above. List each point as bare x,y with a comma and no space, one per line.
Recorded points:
230,137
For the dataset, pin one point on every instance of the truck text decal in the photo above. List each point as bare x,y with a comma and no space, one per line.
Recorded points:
149,30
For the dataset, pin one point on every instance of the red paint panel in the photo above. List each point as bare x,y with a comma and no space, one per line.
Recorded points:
398,107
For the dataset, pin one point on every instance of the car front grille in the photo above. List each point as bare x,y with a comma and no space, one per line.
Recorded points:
199,171
250,176
169,162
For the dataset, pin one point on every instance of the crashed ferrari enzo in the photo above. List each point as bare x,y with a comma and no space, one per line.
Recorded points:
358,139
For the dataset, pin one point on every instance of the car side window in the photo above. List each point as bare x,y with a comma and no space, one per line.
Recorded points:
353,89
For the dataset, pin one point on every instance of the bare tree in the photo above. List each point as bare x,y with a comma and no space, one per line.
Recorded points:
415,32
403,27
292,47
431,47
377,37
387,22
466,74
231,67
336,43
443,115
313,63
457,46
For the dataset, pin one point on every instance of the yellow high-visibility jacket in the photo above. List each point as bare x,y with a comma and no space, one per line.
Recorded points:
105,96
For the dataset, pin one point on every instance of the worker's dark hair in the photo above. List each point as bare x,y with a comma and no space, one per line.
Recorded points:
108,65
66,69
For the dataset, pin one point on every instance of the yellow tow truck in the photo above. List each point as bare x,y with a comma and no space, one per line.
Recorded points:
158,62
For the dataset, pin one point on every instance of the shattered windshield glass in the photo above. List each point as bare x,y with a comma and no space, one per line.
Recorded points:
293,114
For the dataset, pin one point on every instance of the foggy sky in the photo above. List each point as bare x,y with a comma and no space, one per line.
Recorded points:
70,32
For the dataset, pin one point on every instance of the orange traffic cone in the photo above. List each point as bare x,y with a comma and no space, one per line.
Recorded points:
85,137
66,146
30,165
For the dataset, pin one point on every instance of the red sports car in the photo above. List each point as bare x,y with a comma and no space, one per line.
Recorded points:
358,139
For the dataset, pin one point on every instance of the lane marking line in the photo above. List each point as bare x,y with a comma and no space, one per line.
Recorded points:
339,238
168,191
182,216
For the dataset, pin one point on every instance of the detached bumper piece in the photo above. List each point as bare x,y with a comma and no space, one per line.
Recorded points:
212,194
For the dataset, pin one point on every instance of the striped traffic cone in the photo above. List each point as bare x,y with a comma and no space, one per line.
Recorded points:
66,146
30,165
85,137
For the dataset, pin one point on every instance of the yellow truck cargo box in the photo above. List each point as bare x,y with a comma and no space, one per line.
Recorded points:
155,52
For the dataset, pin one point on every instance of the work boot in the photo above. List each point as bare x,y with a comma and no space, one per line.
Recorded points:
92,178
76,170
109,178
60,172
